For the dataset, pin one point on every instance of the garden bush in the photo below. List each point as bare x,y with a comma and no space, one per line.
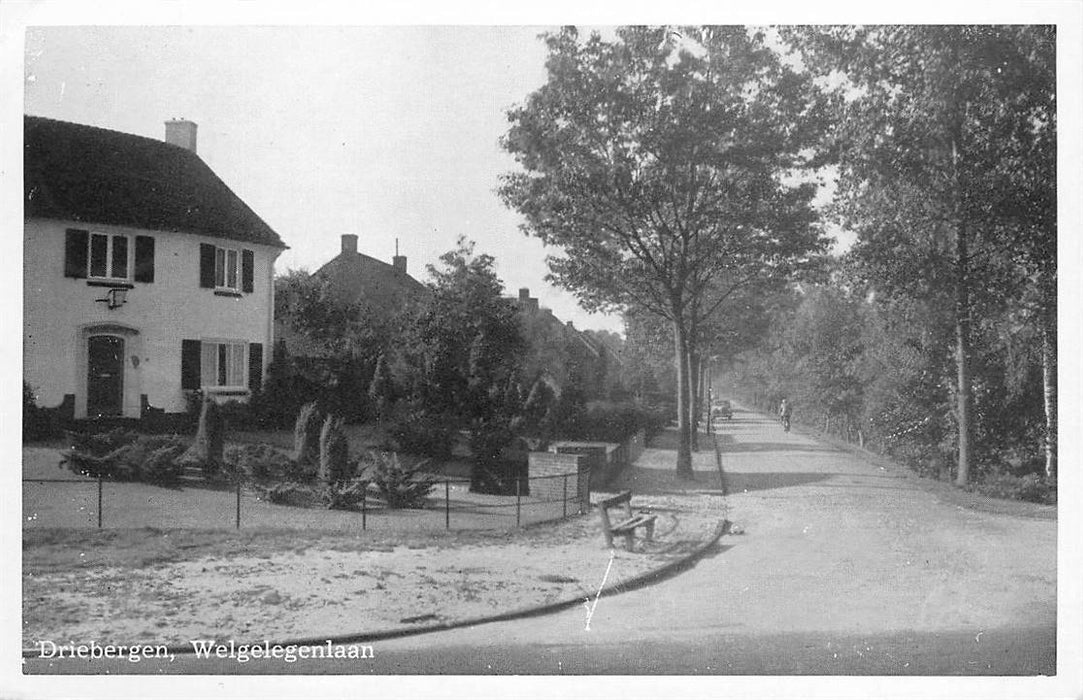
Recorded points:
207,449
334,452
1030,487
94,454
398,484
288,493
260,461
421,433
38,423
306,435
123,455
343,495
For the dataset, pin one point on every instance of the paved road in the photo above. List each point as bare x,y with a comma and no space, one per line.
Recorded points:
844,568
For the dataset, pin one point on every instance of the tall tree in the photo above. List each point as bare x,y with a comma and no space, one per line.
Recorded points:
656,162
929,118
465,343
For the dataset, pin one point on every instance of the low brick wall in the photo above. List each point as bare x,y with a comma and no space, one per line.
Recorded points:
556,465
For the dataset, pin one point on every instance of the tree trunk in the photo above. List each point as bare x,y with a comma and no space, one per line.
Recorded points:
694,408
962,353
1049,371
684,434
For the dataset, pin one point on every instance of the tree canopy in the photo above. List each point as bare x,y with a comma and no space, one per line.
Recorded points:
658,164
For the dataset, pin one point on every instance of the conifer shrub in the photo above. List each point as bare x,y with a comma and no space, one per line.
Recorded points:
334,452
306,435
209,445
398,484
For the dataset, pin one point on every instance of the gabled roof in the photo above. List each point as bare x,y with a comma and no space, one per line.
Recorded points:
98,176
359,278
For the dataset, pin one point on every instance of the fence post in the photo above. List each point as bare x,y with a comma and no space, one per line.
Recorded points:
564,501
518,501
447,504
364,507
238,504
99,501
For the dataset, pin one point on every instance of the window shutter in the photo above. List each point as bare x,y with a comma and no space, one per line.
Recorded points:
75,253
206,265
190,361
144,258
248,260
255,366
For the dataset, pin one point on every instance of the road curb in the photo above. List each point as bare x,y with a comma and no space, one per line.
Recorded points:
633,583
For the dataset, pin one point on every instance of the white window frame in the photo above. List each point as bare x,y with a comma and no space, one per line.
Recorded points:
109,276
210,364
222,281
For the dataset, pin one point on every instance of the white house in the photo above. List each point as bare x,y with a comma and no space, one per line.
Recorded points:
145,276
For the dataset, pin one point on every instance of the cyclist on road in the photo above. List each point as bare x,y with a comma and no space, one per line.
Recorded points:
784,412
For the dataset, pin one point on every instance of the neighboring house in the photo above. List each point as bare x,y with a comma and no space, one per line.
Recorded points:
145,277
563,355
356,278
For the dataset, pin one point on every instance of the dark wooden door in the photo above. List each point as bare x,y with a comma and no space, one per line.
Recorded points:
105,376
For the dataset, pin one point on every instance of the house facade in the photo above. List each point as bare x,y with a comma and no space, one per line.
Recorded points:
146,278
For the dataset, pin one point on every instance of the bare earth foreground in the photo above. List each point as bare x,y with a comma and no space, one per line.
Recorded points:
124,586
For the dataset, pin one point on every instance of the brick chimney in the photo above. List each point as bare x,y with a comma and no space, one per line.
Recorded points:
181,132
524,293
349,244
399,263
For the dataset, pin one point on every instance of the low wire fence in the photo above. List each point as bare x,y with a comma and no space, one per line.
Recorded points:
450,505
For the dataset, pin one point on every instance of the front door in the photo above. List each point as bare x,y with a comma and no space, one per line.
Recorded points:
105,376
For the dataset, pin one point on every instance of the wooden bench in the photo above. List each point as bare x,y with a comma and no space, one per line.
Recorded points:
626,527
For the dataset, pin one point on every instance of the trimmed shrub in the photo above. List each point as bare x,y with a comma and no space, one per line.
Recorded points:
381,390
343,495
258,462
334,452
210,442
38,423
306,435
288,493
421,433
156,459
95,454
125,456
399,485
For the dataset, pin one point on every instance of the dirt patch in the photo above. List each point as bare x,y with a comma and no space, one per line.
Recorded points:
171,586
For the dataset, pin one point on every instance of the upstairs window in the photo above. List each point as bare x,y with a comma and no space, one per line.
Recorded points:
225,268
108,256
228,271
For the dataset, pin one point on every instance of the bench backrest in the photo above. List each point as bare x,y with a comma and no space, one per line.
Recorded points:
613,501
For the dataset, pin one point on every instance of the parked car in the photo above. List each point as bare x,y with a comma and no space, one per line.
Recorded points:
722,409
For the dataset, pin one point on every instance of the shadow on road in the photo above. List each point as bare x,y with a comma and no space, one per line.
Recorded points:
738,482
667,440
776,447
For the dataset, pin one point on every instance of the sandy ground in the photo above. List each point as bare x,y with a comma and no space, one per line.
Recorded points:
113,586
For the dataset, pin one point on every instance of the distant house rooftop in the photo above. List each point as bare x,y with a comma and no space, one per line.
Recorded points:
75,172
359,278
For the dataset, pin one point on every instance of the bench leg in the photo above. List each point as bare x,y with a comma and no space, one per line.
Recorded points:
650,531
629,541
